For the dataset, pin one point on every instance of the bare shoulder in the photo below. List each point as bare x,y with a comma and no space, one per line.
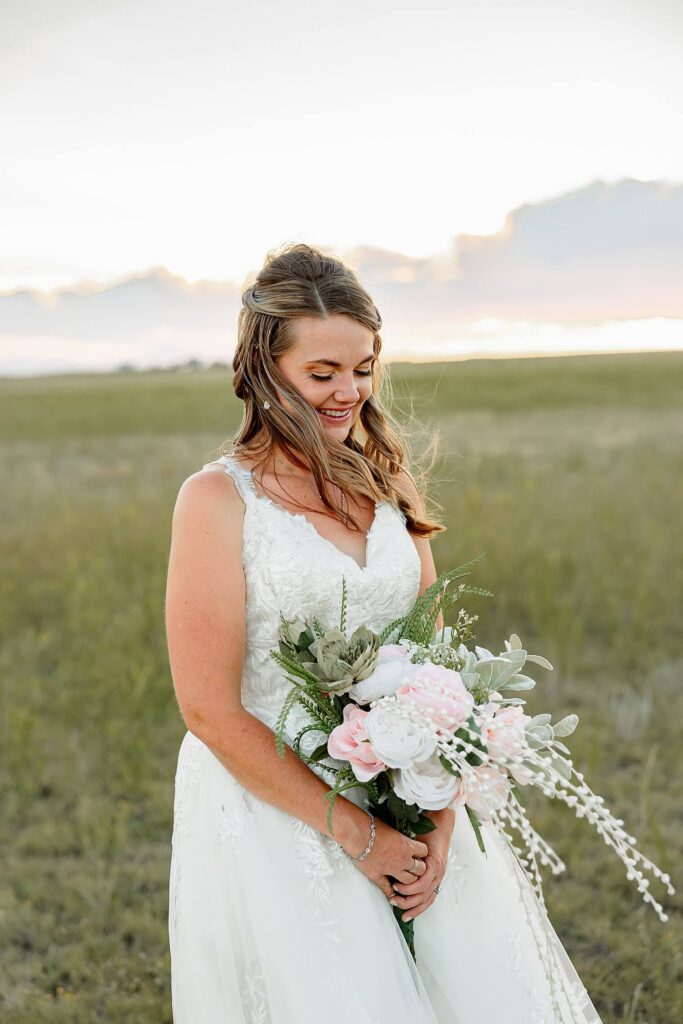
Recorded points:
208,496
206,531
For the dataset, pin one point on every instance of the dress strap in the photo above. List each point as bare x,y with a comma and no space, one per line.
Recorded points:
240,474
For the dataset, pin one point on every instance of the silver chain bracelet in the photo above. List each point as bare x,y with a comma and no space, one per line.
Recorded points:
367,849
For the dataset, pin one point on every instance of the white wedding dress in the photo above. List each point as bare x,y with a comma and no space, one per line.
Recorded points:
269,921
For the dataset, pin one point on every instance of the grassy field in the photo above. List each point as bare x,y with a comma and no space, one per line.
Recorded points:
566,472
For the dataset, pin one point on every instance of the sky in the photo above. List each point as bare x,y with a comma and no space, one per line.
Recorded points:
196,138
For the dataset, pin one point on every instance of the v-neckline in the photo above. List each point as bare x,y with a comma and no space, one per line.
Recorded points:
307,522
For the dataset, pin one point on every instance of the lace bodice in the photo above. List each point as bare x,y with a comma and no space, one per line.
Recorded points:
290,567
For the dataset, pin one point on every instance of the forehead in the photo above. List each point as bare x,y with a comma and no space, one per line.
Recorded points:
337,337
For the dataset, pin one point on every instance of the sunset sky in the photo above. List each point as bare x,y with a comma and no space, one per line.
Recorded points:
150,134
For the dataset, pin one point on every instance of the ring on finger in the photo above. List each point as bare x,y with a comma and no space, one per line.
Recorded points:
437,889
416,864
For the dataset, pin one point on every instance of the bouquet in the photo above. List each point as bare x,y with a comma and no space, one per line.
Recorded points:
423,722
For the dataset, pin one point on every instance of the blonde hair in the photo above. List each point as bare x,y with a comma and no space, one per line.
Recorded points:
297,281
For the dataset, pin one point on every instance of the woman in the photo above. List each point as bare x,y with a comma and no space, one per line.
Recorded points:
273,919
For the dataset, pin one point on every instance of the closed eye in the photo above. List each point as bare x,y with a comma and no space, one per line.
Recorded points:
361,373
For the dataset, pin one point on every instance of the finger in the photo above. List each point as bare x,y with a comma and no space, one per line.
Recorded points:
408,902
416,868
409,889
419,849
384,883
422,885
419,909
406,877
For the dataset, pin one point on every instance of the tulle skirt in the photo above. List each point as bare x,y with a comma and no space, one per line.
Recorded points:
271,923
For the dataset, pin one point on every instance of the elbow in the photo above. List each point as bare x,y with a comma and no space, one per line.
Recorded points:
219,730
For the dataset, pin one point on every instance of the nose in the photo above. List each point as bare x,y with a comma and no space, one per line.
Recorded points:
347,393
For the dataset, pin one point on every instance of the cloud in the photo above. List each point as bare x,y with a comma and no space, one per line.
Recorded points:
601,253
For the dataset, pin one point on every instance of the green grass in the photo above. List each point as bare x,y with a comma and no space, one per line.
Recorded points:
567,473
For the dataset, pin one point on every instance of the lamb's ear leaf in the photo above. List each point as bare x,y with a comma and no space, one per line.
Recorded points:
539,660
566,726
519,683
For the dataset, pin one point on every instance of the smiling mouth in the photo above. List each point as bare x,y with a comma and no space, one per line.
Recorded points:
335,415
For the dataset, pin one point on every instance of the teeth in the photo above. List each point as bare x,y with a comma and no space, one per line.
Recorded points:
335,413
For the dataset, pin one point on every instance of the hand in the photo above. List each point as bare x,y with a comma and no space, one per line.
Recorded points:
418,895
392,857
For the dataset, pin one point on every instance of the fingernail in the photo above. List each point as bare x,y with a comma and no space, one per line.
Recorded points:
393,903
406,919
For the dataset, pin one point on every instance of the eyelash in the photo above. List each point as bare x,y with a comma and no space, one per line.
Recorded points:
363,373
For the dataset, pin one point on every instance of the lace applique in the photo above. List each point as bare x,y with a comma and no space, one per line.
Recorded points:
254,996
321,857
515,953
543,1011
454,879
232,821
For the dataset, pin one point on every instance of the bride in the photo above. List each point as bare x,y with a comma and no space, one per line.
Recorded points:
273,919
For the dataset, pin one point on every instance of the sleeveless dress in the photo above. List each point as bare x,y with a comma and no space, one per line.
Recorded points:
269,920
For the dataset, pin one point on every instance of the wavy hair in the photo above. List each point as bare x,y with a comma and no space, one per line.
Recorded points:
296,281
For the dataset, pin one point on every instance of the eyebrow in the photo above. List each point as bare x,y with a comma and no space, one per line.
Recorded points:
331,362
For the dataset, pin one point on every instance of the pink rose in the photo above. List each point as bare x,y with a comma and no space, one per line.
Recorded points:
349,742
390,651
502,729
485,791
441,692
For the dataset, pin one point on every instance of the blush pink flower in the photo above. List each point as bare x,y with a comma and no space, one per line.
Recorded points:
349,742
441,692
485,791
502,729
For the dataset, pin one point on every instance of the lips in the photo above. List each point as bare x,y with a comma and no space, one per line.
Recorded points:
335,415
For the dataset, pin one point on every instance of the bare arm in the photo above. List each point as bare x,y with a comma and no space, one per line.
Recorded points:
205,626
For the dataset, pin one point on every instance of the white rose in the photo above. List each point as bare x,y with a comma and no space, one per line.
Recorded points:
392,668
427,784
398,738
